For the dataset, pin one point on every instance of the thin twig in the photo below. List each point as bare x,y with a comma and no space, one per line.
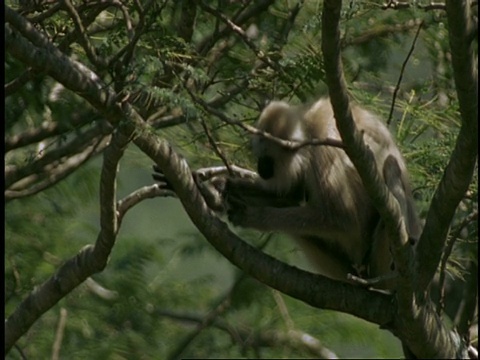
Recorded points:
54,172
132,199
59,334
239,31
83,37
288,144
215,147
397,87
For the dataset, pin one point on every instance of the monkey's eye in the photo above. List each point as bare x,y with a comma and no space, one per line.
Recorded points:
265,167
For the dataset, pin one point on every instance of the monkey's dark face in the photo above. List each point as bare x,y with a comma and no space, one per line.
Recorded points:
266,167
272,159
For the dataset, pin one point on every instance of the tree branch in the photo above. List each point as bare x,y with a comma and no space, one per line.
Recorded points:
459,171
313,289
48,129
44,162
415,324
400,76
54,172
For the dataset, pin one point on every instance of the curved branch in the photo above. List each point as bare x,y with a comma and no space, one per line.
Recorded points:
358,152
146,192
416,324
108,194
313,289
88,261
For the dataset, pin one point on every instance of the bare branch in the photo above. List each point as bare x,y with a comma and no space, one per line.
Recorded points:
59,334
239,31
258,7
108,188
73,272
433,6
210,172
146,192
313,289
214,145
361,156
100,291
396,4
83,37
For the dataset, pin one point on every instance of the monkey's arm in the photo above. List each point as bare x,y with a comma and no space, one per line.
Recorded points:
294,220
253,192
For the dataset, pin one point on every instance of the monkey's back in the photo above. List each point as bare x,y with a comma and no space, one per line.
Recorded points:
335,187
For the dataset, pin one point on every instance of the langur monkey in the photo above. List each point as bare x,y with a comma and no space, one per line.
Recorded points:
315,194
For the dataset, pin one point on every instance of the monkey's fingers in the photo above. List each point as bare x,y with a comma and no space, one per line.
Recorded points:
219,183
156,168
234,201
233,192
236,209
159,177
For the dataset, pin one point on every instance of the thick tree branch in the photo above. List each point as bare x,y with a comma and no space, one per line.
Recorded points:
88,261
108,193
361,156
416,324
313,289
459,171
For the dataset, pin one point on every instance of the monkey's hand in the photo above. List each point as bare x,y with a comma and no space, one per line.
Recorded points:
211,190
160,178
236,210
243,201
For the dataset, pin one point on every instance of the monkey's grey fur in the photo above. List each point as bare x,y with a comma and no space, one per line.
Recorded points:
315,194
